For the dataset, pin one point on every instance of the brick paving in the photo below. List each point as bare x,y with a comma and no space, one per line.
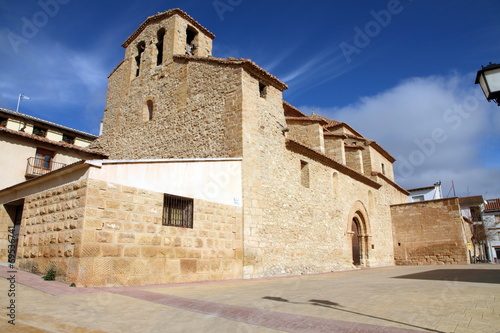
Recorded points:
394,299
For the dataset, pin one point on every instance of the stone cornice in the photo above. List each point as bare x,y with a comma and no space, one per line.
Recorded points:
325,160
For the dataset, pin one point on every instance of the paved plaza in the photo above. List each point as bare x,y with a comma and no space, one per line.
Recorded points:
391,299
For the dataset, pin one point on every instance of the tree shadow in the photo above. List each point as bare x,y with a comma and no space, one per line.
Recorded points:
457,275
337,306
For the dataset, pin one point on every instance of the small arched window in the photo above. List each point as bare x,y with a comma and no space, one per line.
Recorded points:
191,46
150,109
140,50
159,46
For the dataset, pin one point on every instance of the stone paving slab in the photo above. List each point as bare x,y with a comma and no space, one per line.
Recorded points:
371,300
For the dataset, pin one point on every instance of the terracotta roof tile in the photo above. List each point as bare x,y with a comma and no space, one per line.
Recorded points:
329,122
292,111
45,122
52,142
471,200
162,16
245,63
492,204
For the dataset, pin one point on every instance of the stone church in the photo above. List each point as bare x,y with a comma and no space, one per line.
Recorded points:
210,175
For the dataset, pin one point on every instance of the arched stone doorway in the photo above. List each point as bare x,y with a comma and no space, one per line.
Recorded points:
359,232
356,254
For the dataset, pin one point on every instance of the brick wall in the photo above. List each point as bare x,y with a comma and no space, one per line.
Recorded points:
429,233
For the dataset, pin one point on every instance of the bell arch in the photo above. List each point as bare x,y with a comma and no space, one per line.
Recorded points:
358,232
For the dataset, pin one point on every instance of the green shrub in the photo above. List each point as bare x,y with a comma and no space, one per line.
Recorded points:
51,274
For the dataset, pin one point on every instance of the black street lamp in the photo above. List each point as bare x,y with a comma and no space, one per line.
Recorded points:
489,79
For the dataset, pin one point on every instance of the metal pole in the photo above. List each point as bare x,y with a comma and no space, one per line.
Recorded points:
18,101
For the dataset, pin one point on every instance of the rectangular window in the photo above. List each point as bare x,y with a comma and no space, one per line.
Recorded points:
3,122
417,198
177,211
475,213
262,90
39,131
44,158
304,173
68,139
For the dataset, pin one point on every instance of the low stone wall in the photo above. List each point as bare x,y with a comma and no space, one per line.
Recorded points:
430,233
101,234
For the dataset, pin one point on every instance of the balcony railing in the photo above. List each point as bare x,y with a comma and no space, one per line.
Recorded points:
40,166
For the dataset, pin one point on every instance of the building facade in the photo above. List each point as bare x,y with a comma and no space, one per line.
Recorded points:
491,218
32,147
212,175
426,193
472,208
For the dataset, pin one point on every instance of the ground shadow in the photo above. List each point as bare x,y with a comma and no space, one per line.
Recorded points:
460,275
337,306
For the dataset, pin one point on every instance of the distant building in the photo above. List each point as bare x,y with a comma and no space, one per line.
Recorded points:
32,147
426,193
472,208
491,217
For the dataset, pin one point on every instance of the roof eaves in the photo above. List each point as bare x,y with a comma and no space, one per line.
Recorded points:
48,123
382,151
246,64
294,109
387,180
421,188
305,119
311,153
51,142
162,16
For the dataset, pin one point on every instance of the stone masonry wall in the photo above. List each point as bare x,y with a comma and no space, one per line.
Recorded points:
430,233
189,119
293,229
195,104
101,234
52,229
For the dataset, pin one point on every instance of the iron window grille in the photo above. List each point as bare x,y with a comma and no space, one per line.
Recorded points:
177,211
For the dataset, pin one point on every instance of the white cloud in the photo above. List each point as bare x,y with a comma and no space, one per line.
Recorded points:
61,82
438,128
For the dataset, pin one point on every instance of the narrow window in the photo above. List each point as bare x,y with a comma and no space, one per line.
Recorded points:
383,169
262,90
304,173
335,182
191,40
148,112
68,139
159,47
140,49
39,131
177,211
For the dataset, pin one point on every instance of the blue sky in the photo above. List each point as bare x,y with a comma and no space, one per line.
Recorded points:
400,72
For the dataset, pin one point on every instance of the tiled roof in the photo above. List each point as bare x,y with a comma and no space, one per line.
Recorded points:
492,204
329,122
421,188
45,122
245,63
292,111
305,119
162,16
313,154
51,142
472,200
